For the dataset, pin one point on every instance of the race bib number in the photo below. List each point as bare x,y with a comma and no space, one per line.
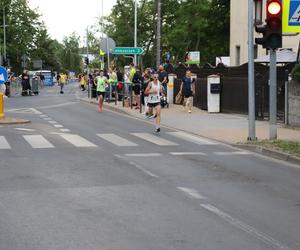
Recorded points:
154,98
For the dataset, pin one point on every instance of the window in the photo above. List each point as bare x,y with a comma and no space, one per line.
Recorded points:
258,5
238,55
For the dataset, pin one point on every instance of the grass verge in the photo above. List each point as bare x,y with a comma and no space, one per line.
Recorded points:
291,147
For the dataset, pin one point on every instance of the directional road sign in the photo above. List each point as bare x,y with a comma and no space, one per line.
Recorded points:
3,75
128,51
291,16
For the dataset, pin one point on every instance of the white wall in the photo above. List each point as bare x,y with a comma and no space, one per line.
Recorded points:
239,32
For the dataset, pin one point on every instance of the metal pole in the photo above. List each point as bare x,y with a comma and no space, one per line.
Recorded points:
273,95
108,53
102,11
135,30
87,66
286,97
158,35
251,83
4,34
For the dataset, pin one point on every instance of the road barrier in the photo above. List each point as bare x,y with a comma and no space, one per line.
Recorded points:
15,88
115,93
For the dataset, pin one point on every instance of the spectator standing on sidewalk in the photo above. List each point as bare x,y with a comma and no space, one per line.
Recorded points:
188,90
137,80
154,91
25,81
120,83
8,83
82,81
42,78
163,77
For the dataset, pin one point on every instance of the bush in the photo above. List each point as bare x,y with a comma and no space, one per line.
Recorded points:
296,73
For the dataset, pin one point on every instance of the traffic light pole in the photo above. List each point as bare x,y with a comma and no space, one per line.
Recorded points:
251,84
273,95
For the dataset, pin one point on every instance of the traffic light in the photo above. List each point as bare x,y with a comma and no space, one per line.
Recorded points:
86,60
272,30
274,24
263,30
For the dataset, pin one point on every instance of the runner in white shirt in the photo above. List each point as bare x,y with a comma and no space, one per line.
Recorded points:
154,91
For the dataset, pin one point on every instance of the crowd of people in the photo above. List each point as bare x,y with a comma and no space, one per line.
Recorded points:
148,88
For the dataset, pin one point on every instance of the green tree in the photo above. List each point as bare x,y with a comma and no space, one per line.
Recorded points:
70,54
186,25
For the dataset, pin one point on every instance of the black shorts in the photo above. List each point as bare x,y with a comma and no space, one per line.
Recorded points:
136,89
153,105
101,93
188,94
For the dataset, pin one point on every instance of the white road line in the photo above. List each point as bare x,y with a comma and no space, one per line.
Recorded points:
58,126
246,228
3,143
38,141
144,155
25,129
65,130
233,153
192,192
57,105
117,140
154,139
143,169
192,138
35,111
77,140
186,153
119,156
52,122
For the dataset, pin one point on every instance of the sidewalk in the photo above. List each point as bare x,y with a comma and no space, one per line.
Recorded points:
227,128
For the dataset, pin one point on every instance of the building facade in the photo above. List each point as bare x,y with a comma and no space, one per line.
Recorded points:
239,31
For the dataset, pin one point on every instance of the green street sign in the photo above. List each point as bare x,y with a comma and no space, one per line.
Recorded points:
128,51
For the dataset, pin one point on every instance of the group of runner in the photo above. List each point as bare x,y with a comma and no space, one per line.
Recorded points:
151,84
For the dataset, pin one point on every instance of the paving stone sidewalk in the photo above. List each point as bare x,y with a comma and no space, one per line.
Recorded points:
227,128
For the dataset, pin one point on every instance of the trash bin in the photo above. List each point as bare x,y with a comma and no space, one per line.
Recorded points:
213,93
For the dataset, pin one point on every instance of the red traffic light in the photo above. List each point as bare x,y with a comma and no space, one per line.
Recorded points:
274,7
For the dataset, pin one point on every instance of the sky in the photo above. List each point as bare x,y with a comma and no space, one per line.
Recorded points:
62,17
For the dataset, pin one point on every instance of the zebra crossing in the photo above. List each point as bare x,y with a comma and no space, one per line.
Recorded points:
132,140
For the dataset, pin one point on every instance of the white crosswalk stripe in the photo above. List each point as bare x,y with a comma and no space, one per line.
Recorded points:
192,138
77,141
117,140
154,139
38,141
3,143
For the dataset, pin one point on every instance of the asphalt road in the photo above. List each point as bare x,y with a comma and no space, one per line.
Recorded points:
78,179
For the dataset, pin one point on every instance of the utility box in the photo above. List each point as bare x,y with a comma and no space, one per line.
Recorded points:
213,93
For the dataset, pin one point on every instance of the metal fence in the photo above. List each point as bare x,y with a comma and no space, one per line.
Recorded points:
15,88
234,88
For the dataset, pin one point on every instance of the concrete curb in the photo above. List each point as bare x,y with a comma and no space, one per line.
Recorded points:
270,152
253,148
13,121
